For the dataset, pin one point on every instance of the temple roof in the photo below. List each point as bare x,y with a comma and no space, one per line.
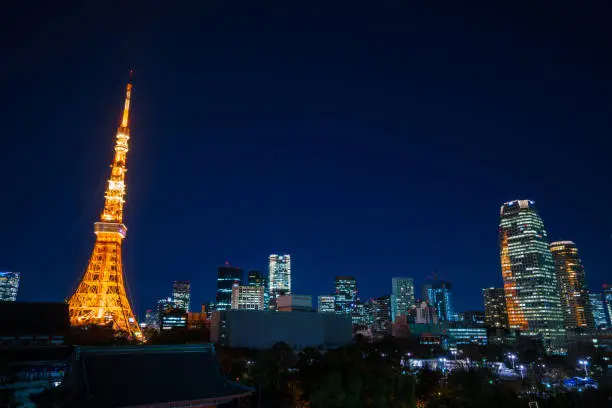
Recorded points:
134,376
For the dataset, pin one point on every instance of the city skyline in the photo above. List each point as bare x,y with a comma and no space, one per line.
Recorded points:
376,159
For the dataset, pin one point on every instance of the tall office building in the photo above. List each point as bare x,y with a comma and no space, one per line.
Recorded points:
381,316
279,275
9,285
532,293
438,294
227,276
345,298
402,296
247,297
572,286
326,304
256,278
598,310
495,307
607,293
181,294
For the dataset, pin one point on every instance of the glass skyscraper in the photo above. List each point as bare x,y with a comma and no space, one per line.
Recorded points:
279,275
256,278
345,298
402,296
181,294
381,316
598,310
227,276
438,294
530,284
607,293
495,307
572,286
9,285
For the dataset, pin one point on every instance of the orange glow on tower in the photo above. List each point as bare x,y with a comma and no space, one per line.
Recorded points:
516,320
101,297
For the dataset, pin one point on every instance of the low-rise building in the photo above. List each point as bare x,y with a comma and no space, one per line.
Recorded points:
247,297
263,329
294,303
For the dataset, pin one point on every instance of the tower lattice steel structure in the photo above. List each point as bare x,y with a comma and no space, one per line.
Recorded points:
101,297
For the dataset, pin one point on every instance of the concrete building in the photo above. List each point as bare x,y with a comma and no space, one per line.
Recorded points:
294,303
262,329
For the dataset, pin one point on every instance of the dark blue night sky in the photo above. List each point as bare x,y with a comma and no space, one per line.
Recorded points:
372,139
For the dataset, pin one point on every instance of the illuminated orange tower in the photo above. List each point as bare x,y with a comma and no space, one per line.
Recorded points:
101,296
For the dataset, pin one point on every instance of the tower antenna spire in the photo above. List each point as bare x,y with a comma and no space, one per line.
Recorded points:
126,108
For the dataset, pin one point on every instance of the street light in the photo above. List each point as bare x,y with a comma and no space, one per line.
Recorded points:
522,367
512,357
585,365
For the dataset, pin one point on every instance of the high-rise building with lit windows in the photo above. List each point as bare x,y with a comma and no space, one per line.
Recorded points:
326,304
9,285
438,294
256,278
598,310
495,307
402,296
530,283
247,297
572,286
381,317
279,275
345,298
227,276
181,294
607,294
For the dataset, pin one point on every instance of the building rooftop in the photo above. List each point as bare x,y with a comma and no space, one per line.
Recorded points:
135,376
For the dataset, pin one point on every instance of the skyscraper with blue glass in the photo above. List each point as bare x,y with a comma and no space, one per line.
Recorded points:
438,294
402,296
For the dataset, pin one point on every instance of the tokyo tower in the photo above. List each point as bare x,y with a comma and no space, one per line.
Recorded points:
101,296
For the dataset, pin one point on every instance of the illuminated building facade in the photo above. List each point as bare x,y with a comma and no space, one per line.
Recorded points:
464,334
247,297
598,310
256,278
9,285
101,297
279,275
345,298
402,296
423,313
181,294
495,307
361,315
607,293
227,277
381,316
173,319
532,294
326,304
572,286
439,295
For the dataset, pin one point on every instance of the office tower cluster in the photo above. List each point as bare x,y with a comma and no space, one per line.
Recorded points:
9,285
545,294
